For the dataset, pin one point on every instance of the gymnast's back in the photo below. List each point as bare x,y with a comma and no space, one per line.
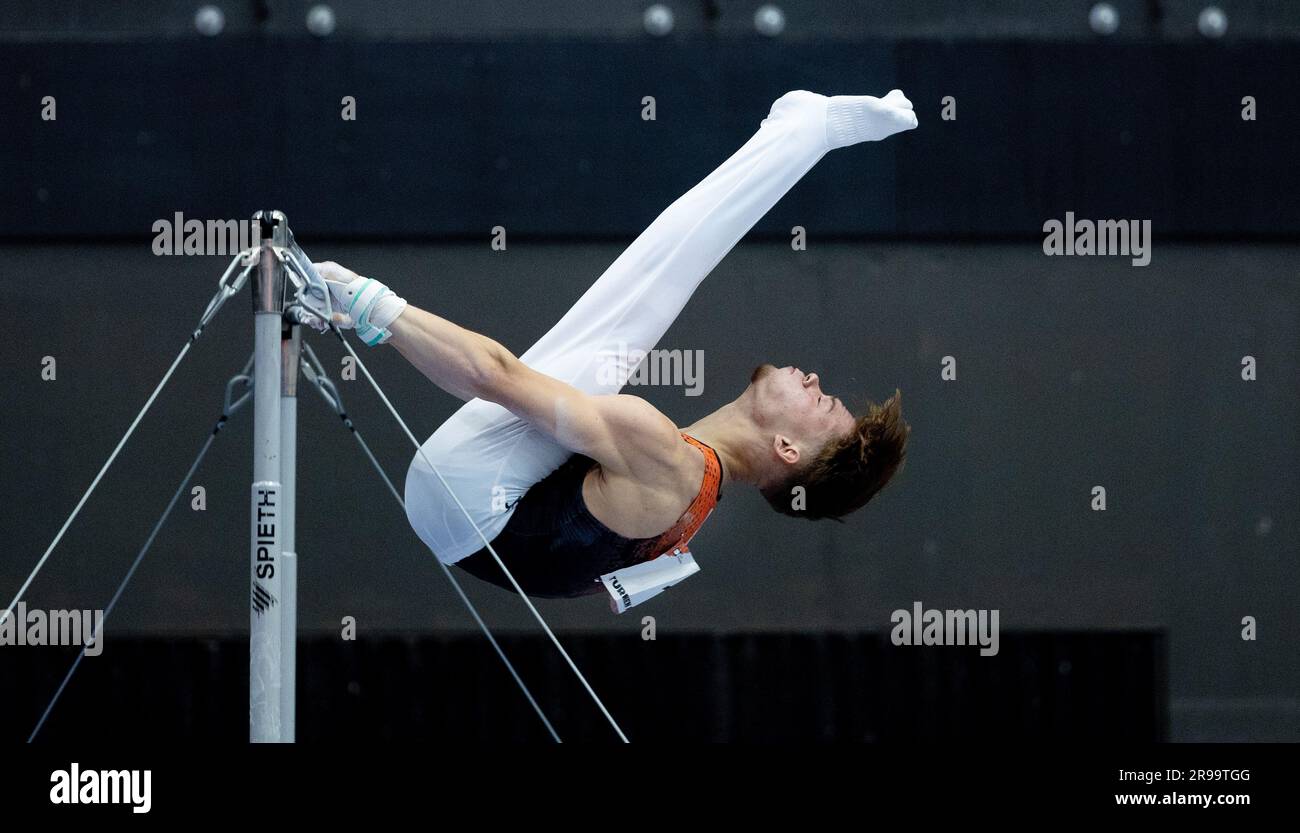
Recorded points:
556,548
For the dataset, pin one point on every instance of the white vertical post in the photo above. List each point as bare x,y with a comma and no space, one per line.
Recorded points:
267,503
291,350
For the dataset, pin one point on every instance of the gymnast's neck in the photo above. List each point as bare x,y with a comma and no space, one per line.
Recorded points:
732,432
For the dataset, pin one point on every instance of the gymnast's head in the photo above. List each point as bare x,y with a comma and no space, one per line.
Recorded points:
813,440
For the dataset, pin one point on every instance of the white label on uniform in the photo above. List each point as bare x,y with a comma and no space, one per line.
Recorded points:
632,586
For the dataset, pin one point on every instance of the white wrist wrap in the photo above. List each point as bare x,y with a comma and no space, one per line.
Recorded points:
370,305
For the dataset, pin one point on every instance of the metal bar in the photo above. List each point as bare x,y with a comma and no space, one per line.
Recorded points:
266,499
291,349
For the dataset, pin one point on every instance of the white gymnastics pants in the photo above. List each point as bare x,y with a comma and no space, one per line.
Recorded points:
488,456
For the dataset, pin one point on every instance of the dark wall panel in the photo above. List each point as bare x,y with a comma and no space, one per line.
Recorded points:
456,137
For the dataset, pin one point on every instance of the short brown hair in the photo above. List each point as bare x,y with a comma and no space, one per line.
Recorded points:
848,471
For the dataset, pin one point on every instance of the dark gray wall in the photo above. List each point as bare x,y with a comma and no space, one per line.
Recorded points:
1072,372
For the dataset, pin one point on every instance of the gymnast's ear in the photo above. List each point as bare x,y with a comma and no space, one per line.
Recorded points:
785,449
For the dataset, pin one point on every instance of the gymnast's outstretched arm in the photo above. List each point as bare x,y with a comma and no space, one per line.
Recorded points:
624,433
621,432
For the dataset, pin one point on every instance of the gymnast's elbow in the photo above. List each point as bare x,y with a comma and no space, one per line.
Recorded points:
492,372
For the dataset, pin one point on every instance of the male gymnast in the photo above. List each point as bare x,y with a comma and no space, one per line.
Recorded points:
576,484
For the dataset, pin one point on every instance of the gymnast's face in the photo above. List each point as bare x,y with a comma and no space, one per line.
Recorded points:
791,403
